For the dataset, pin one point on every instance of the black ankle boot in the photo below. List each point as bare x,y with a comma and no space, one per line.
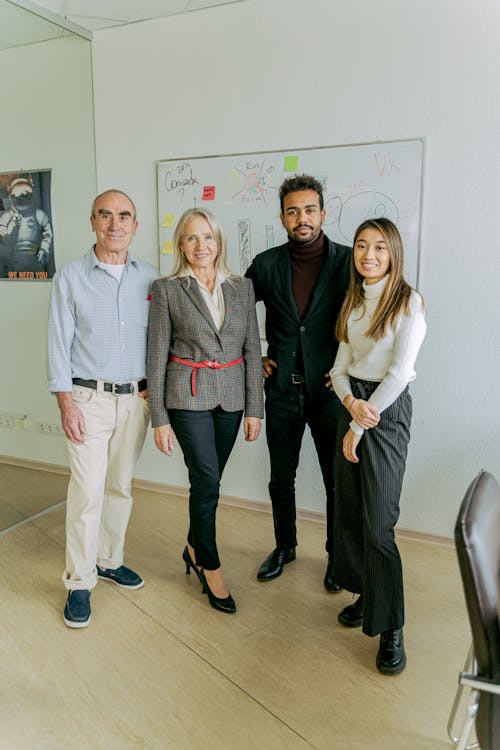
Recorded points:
329,581
391,657
352,616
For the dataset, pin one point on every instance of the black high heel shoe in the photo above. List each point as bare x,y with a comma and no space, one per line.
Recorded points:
223,605
191,564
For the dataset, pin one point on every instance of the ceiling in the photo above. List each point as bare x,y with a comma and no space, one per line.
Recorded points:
17,27
93,15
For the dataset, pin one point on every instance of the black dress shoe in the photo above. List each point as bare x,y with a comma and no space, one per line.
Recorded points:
352,616
272,567
391,657
329,582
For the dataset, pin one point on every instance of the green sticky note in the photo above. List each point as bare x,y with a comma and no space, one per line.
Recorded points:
291,163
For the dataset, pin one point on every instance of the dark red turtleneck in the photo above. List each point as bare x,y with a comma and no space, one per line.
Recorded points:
306,263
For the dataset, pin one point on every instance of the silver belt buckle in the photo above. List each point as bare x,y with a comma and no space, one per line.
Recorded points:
120,385
297,379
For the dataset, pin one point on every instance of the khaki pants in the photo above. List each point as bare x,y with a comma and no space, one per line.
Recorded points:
99,500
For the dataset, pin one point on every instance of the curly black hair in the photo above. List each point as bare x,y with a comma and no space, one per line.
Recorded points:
301,182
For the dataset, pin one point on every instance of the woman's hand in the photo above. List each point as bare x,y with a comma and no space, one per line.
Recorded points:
251,426
164,439
363,413
349,444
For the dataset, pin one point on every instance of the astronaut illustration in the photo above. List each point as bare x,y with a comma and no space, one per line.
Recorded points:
25,233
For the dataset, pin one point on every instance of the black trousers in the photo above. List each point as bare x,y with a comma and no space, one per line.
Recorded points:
366,556
286,419
206,439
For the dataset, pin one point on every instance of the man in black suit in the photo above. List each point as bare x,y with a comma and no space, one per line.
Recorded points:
302,284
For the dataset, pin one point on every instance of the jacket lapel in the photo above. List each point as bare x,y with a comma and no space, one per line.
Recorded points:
191,288
229,294
285,273
324,280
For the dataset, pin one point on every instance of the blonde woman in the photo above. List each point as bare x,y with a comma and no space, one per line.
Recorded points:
204,372
380,329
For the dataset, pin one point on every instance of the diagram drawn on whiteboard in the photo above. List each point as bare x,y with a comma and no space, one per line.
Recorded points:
242,190
254,181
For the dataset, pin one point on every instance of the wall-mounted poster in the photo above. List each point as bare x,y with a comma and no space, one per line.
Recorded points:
26,234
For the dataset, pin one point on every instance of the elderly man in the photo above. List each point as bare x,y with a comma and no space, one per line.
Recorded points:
302,284
97,363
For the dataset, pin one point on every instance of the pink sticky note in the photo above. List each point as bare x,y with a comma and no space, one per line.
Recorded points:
208,193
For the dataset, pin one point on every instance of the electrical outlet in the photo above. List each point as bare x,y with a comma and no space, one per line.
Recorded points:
13,421
47,428
6,422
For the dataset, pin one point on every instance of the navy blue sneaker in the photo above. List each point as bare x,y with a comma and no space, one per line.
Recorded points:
122,576
77,609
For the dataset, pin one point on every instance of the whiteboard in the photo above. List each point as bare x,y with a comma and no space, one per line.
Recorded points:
242,190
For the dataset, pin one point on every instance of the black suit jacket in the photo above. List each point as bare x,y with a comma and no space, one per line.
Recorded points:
271,274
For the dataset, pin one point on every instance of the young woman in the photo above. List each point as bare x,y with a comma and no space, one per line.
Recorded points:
204,370
380,329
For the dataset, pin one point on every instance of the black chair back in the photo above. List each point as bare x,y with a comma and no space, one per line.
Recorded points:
477,540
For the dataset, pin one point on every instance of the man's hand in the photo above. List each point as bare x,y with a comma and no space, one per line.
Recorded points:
164,439
268,366
349,444
72,420
251,427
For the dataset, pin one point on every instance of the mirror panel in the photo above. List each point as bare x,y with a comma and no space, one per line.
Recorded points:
46,79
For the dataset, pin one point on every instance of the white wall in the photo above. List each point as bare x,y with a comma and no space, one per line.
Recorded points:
46,122
274,74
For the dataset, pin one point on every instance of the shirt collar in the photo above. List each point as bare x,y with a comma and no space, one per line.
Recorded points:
93,261
219,278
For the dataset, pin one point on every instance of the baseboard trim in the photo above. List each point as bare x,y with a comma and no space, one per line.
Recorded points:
302,513
30,464
235,502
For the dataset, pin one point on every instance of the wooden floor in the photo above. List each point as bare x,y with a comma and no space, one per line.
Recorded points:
25,492
158,669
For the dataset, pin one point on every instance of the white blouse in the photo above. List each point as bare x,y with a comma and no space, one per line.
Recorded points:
390,360
213,300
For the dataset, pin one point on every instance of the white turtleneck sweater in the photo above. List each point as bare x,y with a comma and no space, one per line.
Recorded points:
389,360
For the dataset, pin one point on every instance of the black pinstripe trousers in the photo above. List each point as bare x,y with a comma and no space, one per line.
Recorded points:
366,556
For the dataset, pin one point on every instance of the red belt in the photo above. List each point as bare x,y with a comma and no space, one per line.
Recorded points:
205,363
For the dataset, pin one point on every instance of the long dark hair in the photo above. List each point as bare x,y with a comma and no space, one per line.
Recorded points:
395,298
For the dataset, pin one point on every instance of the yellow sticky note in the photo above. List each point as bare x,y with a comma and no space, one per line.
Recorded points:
168,220
167,247
291,163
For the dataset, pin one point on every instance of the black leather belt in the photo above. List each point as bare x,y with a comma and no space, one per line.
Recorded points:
119,389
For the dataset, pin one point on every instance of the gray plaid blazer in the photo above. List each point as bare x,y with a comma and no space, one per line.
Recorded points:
181,325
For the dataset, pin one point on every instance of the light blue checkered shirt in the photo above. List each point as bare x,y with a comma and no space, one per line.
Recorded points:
97,325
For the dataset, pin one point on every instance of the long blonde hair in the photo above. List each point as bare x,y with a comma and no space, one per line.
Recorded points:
396,296
181,265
